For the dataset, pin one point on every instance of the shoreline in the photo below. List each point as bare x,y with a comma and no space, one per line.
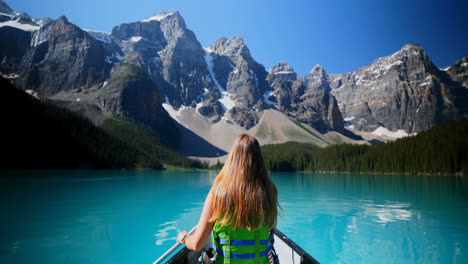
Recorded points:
176,168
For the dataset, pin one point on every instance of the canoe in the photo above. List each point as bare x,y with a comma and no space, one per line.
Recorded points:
287,250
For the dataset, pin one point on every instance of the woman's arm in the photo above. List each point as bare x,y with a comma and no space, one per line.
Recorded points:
198,239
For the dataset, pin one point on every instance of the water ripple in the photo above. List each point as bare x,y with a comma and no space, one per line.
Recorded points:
163,234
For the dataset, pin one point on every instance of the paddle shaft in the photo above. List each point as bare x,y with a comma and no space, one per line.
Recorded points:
172,249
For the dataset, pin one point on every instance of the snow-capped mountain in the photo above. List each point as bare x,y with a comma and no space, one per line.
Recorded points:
304,98
403,91
240,78
157,71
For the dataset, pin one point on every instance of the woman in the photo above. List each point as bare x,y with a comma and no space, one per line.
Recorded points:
240,209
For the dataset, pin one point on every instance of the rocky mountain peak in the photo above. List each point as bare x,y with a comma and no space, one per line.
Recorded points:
230,47
45,21
281,67
402,91
409,56
159,17
243,77
412,46
463,63
408,50
317,73
5,9
166,26
317,79
283,71
24,15
223,83
173,26
311,103
412,52
317,69
459,71
239,40
63,20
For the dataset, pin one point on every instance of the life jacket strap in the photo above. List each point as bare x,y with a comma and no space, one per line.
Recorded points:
244,255
242,243
265,242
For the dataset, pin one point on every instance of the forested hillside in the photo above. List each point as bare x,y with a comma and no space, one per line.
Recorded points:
147,141
442,149
39,135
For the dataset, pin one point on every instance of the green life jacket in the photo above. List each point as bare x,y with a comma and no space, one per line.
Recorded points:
241,246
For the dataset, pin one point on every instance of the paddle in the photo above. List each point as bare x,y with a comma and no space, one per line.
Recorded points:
172,249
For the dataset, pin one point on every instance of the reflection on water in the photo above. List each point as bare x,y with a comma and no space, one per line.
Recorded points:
389,212
376,218
135,216
163,234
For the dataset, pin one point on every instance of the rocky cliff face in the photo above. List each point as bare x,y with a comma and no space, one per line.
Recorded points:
62,57
129,91
72,67
169,53
459,75
222,84
402,91
240,79
307,99
15,38
459,72
14,44
5,9
317,79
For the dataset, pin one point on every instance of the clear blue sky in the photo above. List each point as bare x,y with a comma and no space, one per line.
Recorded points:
340,35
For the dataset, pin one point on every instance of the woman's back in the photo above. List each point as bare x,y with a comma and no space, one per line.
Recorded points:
244,206
241,209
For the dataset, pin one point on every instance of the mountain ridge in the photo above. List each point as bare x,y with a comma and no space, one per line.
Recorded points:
222,83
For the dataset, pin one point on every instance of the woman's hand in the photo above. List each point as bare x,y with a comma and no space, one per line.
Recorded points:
181,236
197,240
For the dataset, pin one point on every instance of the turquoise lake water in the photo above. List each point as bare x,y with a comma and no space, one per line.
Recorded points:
135,216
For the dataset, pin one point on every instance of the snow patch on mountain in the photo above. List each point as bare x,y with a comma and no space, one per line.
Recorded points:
284,72
15,24
383,65
33,93
175,114
99,35
158,17
40,36
10,76
347,122
43,22
136,39
267,95
200,99
9,15
225,100
382,131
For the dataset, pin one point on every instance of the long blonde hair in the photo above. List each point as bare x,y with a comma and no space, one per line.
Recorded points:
244,194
